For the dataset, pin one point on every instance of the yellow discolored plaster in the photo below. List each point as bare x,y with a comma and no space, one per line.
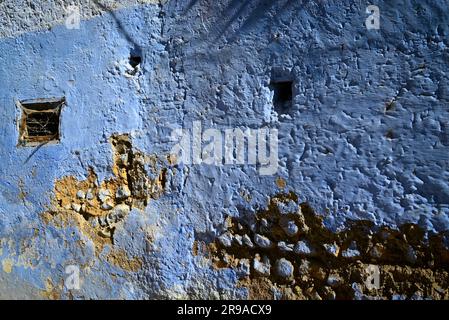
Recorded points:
7,265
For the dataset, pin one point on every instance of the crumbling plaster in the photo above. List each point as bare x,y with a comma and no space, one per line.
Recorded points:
367,136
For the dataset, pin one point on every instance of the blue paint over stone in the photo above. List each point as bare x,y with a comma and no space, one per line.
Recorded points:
339,148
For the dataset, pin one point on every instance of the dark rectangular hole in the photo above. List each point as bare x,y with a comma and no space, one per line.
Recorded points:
135,57
40,121
282,96
42,124
134,61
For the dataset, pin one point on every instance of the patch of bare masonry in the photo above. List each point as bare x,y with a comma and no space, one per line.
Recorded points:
97,208
286,251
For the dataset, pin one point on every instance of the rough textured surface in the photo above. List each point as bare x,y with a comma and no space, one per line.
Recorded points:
366,138
319,264
21,16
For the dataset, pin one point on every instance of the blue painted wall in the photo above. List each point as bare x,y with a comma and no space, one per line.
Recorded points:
212,61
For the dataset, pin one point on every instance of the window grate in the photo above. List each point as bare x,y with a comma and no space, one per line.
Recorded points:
40,122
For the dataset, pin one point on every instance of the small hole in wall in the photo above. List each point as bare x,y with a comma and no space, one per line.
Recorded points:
390,135
40,122
390,106
134,61
135,57
282,96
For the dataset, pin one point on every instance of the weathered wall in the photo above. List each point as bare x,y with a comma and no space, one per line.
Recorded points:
367,136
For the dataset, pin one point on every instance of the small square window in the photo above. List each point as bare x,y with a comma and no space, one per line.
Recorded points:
40,121
282,96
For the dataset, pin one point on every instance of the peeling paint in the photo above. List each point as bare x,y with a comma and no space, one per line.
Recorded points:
94,207
363,140
327,265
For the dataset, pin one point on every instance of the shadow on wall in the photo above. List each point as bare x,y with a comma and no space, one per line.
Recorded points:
253,11
250,12
119,25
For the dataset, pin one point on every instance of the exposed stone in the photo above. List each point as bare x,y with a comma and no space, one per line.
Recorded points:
285,247
289,227
238,239
105,233
103,195
253,227
262,241
418,295
101,221
334,280
247,241
107,205
90,195
81,194
122,193
228,223
244,267
76,207
226,239
358,291
332,249
262,267
351,252
94,222
118,213
304,248
284,268
399,297
288,207
342,276
124,159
